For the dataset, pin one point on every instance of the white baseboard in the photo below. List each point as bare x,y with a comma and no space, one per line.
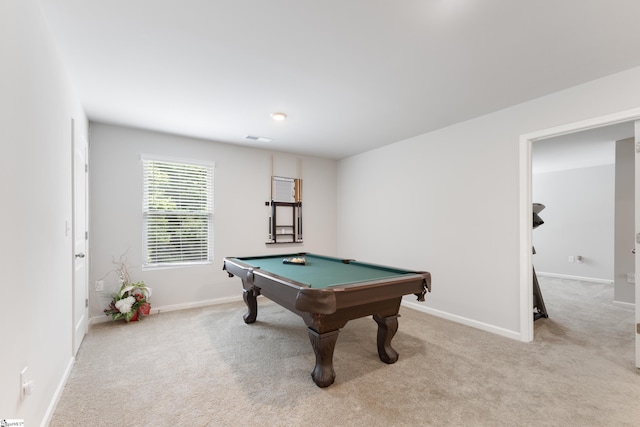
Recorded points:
57,394
465,321
570,277
198,304
174,307
589,279
623,304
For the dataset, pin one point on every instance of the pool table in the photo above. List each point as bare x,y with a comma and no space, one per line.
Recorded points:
327,292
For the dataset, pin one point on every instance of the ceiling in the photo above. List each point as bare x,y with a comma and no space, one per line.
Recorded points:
352,75
594,147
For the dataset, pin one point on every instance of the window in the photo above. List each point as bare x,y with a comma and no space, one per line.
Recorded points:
177,212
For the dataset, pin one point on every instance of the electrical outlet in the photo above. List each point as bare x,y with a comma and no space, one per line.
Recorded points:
572,258
631,278
99,285
26,386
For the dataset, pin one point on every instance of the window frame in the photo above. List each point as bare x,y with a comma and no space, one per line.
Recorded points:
144,160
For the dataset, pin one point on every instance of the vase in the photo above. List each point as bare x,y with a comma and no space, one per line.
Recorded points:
144,309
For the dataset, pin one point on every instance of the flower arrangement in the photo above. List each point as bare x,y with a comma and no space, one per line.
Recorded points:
131,300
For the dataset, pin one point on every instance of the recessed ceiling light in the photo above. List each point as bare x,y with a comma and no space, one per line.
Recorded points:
278,116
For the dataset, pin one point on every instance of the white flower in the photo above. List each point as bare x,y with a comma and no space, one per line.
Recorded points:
124,305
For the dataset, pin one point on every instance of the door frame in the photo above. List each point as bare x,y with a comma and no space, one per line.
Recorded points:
526,200
76,340
636,216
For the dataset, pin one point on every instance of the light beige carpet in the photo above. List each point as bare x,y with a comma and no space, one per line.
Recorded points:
206,367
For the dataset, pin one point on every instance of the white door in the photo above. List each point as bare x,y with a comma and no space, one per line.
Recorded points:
80,276
637,245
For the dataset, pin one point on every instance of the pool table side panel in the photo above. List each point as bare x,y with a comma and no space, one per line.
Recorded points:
277,289
309,299
323,323
286,294
322,314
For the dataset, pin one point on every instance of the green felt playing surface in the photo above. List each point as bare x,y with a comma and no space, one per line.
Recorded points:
322,272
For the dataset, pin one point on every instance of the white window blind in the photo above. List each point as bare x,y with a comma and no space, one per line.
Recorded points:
177,212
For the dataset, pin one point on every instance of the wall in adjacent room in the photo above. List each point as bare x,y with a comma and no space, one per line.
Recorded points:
578,221
37,106
449,202
242,184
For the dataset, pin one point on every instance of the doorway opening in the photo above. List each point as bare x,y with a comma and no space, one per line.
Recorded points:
526,202
583,253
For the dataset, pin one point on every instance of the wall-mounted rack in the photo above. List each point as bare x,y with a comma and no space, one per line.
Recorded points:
285,222
285,211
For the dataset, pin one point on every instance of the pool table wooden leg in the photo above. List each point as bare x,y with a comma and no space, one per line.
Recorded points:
249,297
323,345
387,328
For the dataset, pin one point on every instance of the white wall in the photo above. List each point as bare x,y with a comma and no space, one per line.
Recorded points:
36,108
242,184
448,202
579,221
